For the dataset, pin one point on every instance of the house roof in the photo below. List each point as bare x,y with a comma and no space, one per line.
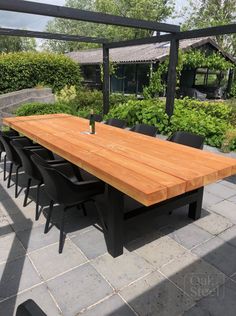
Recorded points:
141,53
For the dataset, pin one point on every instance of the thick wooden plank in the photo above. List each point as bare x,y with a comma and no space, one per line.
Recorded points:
147,169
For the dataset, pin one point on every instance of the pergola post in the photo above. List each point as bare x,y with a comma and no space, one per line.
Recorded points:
106,79
172,76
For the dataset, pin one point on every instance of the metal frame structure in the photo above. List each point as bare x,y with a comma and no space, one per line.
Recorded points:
95,17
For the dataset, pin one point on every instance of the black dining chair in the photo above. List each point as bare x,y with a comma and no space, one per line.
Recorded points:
145,129
10,133
188,139
32,172
116,122
97,117
13,156
63,187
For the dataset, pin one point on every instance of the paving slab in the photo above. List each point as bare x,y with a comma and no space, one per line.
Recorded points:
92,243
188,236
226,209
220,190
122,270
114,306
160,251
10,248
229,235
50,263
210,199
39,294
221,302
154,295
193,275
17,275
35,238
219,254
78,289
213,223
5,227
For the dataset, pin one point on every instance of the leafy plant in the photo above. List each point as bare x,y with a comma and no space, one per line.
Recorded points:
42,108
29,69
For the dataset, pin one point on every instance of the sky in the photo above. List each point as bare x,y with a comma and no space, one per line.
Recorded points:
38,23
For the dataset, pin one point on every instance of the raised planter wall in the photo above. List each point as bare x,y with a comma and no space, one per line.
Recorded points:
9,102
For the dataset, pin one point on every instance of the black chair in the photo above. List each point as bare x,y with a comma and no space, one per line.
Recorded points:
144,129
2,150
13,156
97,117
63,187
25,153
29,308
116,122
188,139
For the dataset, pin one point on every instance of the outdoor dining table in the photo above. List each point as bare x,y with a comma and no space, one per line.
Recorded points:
158,174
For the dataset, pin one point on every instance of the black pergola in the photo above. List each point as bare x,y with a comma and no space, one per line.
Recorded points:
173,36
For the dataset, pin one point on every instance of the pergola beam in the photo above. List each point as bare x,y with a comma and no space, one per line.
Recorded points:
53,36
82,15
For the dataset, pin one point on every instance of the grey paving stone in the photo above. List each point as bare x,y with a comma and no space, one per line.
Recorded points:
122,270
5,227
193,275
160,251
221,302
17,275
78,289
213,223
3,193
50,263
232,199
39,294
228,184
229,235
210,199
154,295
195,311
92,243
220,190
188,236
114,306
226,209
35,238
10,248
218,253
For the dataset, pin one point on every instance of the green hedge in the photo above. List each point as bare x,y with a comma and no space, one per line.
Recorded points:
209,119
29,69
42,108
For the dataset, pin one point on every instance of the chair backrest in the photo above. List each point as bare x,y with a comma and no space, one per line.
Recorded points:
188,139
8,133
11,153
144,129
58,187
97,117
25,155
116,122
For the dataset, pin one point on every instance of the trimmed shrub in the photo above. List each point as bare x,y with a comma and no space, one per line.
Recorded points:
42,108
28,69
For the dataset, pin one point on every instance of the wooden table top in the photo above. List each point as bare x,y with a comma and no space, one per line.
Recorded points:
147,169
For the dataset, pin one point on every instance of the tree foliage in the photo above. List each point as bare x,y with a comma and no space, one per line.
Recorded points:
16,44
206,13
156,10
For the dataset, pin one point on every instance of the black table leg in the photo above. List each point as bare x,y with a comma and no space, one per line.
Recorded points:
115,222
195,208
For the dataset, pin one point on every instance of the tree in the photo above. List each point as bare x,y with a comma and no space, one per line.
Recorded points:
16,44
206,13
157,10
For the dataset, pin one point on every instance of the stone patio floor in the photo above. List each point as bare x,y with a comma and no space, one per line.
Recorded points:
171,265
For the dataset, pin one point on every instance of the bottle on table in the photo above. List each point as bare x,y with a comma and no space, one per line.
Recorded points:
92,123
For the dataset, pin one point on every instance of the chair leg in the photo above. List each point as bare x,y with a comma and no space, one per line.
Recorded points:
27,192
61,240
4,167
37,202
84,209
9,175
16,184
0,156
49,217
